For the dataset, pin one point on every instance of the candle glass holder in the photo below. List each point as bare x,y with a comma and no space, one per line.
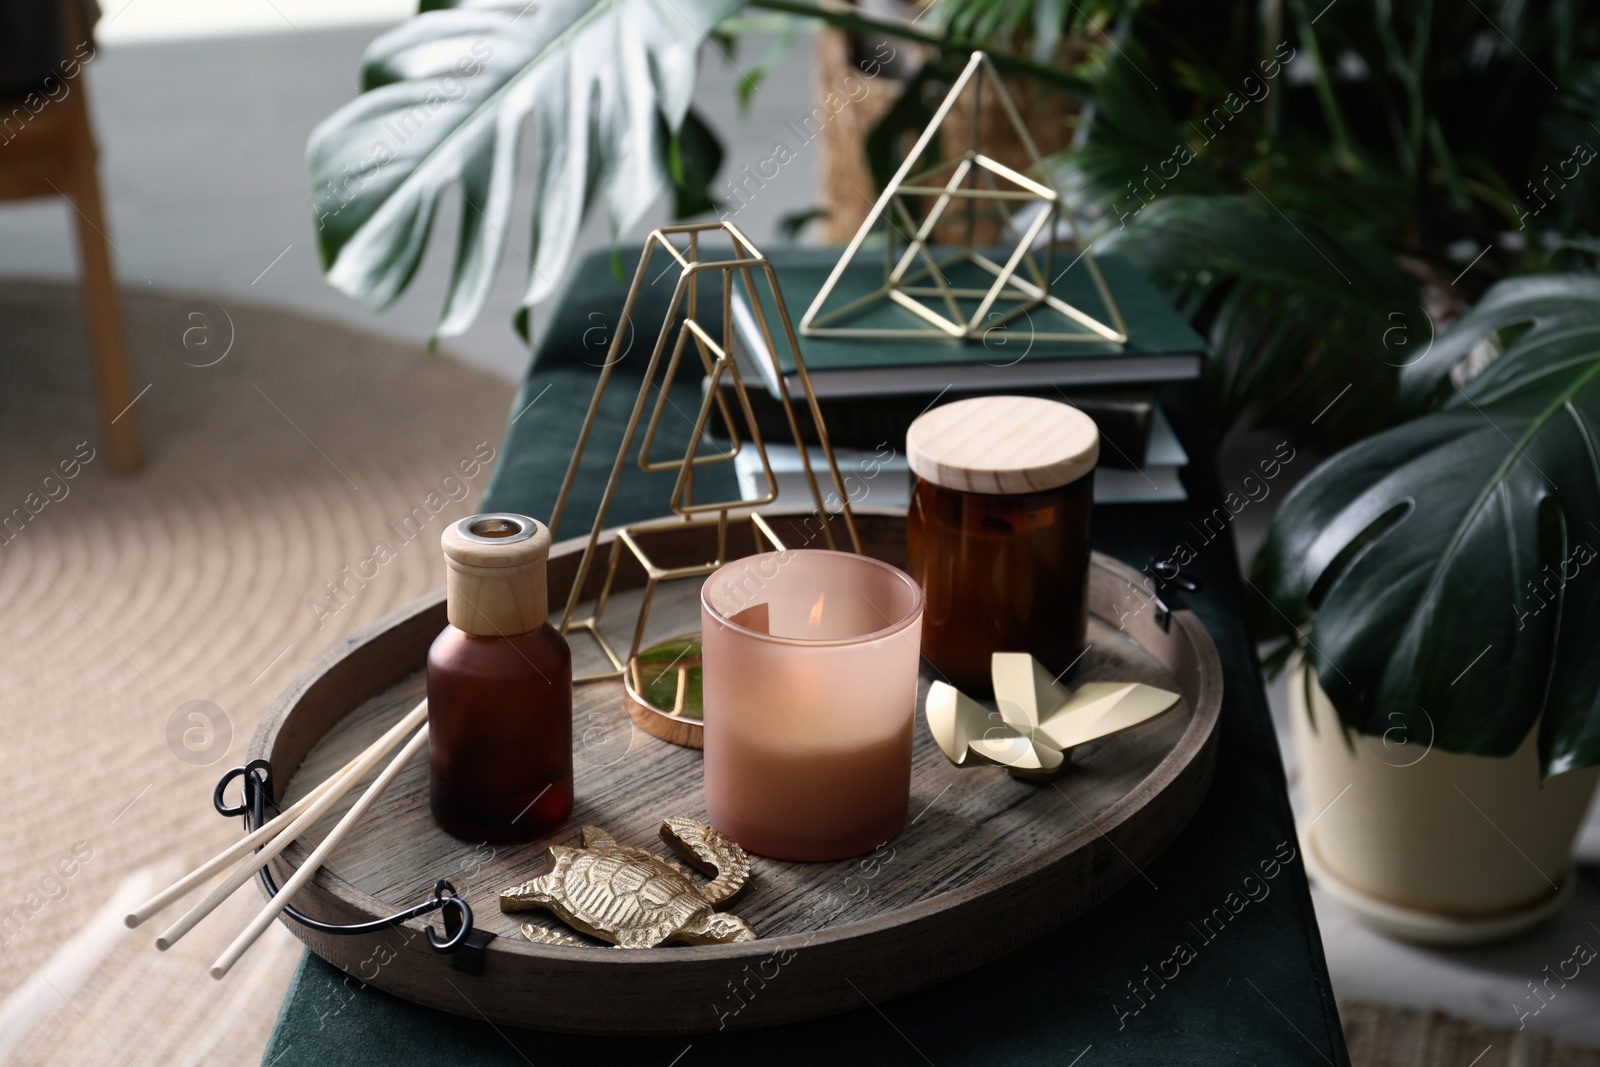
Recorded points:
810,691
998,532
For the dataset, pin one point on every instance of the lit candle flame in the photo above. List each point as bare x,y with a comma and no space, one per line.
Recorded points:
816,612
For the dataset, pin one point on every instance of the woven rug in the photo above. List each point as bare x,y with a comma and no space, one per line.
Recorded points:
282,452
1381,1036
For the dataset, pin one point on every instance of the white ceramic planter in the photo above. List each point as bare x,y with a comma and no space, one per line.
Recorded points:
1427,845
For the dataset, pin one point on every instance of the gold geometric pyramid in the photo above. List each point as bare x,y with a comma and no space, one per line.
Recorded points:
680,330
966,292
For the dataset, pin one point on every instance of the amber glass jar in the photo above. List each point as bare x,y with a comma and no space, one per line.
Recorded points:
499,688
998,532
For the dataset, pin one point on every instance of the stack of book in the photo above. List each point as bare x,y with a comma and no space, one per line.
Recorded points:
871,389
879,477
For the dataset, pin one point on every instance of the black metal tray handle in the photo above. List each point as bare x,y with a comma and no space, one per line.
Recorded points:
463,944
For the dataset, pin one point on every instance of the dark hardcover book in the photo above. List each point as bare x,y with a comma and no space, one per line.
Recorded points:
1161,346
1123,417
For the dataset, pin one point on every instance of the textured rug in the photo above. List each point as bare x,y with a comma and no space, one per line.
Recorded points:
1381,1036
149,621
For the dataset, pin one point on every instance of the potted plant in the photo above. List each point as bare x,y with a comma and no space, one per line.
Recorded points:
1441,583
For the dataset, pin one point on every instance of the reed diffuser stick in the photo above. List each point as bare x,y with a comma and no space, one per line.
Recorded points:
273,838
313,862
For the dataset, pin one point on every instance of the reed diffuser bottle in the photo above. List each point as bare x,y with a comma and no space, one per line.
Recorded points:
499,688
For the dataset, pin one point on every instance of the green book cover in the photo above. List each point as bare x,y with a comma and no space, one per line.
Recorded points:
1161,345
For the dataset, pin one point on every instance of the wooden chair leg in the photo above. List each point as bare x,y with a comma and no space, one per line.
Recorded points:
119,421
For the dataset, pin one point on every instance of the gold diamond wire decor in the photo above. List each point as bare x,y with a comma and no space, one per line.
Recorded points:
919,280
716,359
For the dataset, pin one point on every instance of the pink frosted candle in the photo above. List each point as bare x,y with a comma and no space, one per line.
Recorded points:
810,691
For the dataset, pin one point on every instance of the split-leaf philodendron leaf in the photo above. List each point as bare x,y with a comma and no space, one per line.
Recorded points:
445,97
1449,568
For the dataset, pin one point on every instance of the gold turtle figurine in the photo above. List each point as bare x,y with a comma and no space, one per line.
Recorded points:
633,897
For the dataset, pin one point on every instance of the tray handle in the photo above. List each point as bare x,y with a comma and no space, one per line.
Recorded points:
1167,572
462,943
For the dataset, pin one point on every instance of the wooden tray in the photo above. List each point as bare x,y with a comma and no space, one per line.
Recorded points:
985,864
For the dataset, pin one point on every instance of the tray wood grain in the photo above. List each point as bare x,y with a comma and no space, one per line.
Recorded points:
985,864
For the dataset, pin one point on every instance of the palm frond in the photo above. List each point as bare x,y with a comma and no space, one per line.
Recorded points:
1290,308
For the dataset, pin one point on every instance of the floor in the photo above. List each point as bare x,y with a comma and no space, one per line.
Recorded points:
202,121
164,613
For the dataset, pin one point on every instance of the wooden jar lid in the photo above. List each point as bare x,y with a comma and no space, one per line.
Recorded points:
496,574
1003,444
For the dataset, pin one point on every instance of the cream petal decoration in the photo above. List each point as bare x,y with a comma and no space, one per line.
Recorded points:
968,733
1019,753
1024,690
1099,709
1040,720
954,719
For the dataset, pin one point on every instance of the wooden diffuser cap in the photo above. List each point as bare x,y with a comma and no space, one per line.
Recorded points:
1003,444
496,574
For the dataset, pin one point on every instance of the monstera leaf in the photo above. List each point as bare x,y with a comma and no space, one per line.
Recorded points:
606,86
1446,573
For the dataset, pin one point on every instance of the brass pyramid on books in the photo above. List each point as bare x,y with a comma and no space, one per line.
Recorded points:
967,292
680,332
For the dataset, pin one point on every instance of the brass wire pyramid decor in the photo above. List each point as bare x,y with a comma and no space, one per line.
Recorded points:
716,360
919,278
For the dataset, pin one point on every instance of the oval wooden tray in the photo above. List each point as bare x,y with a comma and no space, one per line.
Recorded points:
985,864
